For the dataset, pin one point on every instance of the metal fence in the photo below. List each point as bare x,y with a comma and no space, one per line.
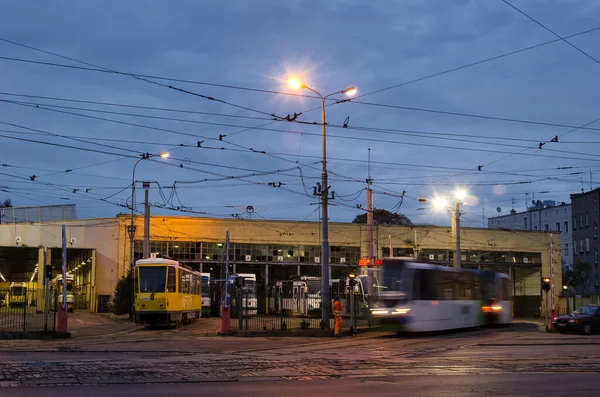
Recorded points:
286,313
24,312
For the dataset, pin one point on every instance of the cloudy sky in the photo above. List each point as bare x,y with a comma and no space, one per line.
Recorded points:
85,89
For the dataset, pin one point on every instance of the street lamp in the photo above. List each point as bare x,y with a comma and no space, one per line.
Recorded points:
442,203
132,227
325,293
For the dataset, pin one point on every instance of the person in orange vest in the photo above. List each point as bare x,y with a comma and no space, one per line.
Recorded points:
337,314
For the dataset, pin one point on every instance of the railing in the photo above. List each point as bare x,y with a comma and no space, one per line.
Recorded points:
286,313
25,313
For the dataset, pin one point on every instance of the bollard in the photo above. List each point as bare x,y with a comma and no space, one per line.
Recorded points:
225,319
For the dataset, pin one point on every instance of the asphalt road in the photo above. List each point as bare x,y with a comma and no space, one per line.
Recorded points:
520,360
572,385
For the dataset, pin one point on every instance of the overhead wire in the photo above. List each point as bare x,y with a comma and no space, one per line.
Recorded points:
137,77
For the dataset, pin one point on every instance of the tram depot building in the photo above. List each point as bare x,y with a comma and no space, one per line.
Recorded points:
98,252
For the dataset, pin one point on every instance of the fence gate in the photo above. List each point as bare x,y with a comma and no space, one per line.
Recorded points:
23,311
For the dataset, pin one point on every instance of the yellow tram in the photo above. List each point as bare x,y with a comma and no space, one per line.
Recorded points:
166,293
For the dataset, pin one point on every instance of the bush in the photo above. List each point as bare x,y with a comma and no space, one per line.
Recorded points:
123,291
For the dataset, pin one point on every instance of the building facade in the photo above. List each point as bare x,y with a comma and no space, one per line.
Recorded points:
586,219
98,252
544,216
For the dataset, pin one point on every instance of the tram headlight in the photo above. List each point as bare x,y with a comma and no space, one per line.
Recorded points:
379,312
401,311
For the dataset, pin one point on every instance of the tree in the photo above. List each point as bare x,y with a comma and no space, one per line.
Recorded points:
6,204
384,217
123,292
576,277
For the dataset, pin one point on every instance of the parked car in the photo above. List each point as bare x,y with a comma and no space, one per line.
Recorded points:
586,320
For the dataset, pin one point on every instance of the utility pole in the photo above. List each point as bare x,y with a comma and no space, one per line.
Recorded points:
146,221
552,308
226,301
456,232
62,309
370,215
47,288
370,255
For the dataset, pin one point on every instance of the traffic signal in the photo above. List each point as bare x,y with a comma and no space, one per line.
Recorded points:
546,284
48,271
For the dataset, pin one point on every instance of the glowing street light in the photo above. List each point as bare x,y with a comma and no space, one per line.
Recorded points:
460,194
324,193
442,203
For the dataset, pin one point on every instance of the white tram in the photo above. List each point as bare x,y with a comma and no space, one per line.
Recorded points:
419,297
497,296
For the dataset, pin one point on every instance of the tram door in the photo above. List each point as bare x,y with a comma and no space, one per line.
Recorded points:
295,300
299,302
277,297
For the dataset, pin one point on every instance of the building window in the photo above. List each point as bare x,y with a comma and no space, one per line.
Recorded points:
582,246
535,228
566,249
558,226
525,222
574,222
595,230
594,204
575,246
566,226
546,227
587,220
580,221
596,255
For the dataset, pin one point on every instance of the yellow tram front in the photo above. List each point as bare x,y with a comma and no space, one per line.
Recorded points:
166,293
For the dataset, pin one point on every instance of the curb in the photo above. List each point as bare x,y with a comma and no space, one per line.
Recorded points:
8,335
314,333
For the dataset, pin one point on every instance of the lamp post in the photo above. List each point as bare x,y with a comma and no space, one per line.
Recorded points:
132,228
442,203
324,193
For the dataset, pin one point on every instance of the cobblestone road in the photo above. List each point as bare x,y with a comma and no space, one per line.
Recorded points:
192,360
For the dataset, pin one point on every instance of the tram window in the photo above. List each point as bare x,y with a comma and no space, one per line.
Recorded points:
172,280
506,289
152,279
184,284
444,288
423,285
